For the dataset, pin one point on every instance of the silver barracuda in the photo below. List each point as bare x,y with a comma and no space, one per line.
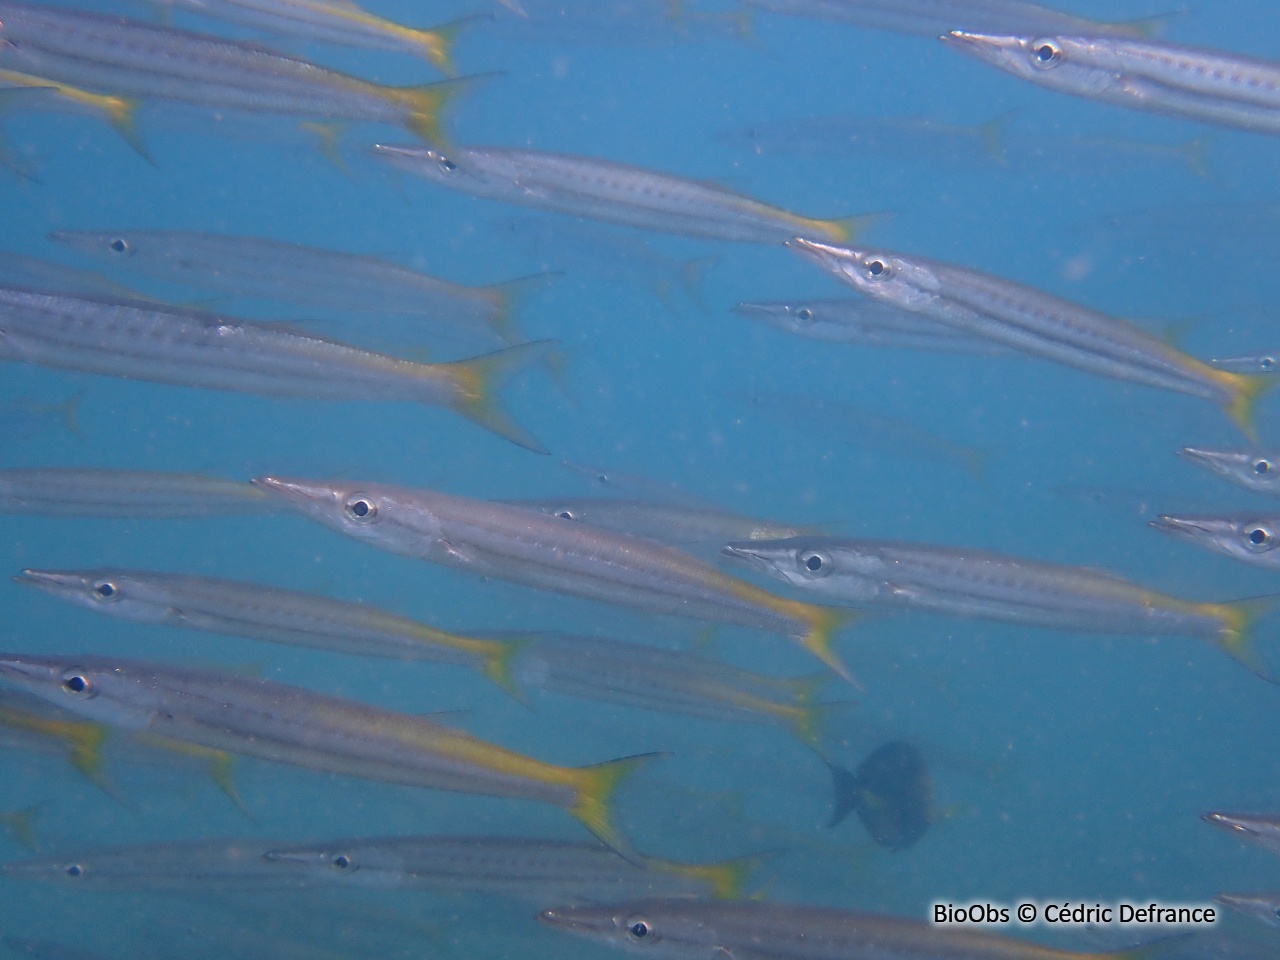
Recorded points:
933,17
670,523
143,341
1261,829
524,546
339,22
1033,322
688,929
986,586
271,269
227,865
1198,84
126,58
140,494
1257,470
290,725
272,614
1250,538
63,97
18,270
865,322
669,681
1264,907
538,871
613,192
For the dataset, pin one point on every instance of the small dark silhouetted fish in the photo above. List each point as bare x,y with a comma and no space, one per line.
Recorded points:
892,793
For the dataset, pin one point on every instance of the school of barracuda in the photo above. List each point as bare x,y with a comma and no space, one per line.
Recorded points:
743,659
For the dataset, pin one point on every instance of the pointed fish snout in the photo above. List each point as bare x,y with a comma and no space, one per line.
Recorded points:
47,578
1180,526
1226,821
297,491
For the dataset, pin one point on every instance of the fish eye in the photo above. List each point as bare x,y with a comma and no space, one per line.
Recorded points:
360,508
1259,536
342,861
447,165
77,684
564,513
815,563
1047,54
73,870
877,269
638,929
106,590
804,314
1262,467
120,245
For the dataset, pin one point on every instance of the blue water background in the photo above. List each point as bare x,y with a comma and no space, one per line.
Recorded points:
1066,766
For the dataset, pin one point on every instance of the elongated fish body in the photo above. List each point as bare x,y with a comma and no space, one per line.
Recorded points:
1264,907
933,17
973,584
294,726
528,547
662,522
1256,470
42,94
126,58
1033,322
699,929
538,871
669,681
142,341
1261,829
32,272
1251,538
612,192
266,613
126,494
329,21
866,322
228,865
1198,84
272,269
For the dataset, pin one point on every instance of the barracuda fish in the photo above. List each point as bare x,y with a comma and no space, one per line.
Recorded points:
272,614
18,270
272,269
116,111
1036,323
126,58
230,865
340,22
143,341
669,523
524,546
539,871
865,322
693,929
285,724
1257,470
932,17
669,681
1260,829
987,586
1198,84
1251,539
1261,906
613,192
124,494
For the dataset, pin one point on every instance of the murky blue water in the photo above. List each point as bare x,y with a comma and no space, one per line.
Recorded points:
1070,767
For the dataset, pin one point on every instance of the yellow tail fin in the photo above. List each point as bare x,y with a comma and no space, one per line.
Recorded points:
478,380
86,740
806,721
848,229
436,43
328,138
596,787
823,622
1236,638
508,297
725,880
498,666
426,102
120,114
1245,389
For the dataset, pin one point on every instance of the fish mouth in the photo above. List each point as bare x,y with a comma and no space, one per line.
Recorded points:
746,554
980,44
1188,527
1206,458
750,309
12,668
48,579
1228,822
299,492
562,918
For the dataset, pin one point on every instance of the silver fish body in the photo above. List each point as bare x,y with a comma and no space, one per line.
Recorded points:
867,322
613,192
1264,907
662,522
143,341
1261,829
528,547
689,929
141,494
1034,322
1251,539
1256,470
1198,84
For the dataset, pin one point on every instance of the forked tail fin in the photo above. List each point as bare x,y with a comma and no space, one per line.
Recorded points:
1236,638
1245,389
478,380
499,666
823,622
508,297
428,101
848,229
121,114
594,805
725,880
436,43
